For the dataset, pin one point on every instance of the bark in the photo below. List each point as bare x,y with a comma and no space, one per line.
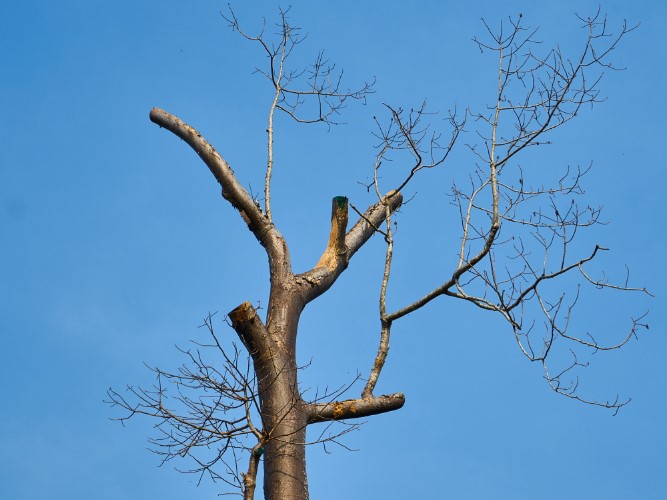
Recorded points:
283,417
232,190
282,406
250,478
336,247
354,408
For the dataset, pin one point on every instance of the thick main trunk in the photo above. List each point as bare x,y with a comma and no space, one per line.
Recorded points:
285,423
284,418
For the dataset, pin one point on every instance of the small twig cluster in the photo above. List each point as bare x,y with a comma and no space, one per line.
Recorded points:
207,411
311,94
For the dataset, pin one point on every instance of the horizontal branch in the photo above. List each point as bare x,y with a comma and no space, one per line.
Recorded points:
353,408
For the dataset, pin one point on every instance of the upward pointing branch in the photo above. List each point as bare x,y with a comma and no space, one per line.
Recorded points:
232,190
277,82
342,246
336,247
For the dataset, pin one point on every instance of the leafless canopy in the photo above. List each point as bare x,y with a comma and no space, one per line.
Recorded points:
209,411
516,240
515,237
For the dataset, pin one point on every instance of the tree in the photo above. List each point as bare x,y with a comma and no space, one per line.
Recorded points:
516,239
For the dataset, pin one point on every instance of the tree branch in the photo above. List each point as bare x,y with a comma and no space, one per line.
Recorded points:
370,221
232,191
336,250
250,330
335,259
442,289
353,408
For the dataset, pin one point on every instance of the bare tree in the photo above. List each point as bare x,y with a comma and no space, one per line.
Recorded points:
515,242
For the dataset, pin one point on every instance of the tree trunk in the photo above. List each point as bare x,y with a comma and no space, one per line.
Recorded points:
282,407
284,420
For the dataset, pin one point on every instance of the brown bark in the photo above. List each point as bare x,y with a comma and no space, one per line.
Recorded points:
284,421
273,349
281,404
285,424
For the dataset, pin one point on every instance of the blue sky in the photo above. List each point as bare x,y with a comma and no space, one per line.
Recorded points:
116,243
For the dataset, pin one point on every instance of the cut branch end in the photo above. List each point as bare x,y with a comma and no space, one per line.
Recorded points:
336,249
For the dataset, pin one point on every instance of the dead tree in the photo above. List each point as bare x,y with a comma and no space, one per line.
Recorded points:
514,242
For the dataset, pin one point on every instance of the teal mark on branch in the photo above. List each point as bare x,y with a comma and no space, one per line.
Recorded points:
341,201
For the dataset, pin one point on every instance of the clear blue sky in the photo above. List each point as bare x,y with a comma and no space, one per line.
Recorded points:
115,244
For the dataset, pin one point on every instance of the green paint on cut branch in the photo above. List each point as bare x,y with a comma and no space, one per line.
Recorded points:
341,201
